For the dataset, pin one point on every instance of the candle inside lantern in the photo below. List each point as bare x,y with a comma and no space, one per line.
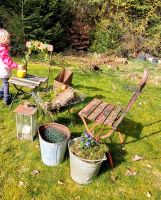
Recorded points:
26,131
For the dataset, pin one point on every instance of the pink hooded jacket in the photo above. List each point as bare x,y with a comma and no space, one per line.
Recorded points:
6,63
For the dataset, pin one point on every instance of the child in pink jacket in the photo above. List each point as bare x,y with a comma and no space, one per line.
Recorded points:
6,65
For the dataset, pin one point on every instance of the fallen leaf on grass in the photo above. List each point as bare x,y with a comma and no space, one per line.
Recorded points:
60,182
23,169
21,184
137,158
130,172
148,194
114,88
113,177
149,166
35,172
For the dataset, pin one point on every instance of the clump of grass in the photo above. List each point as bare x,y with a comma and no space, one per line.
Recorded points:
48,96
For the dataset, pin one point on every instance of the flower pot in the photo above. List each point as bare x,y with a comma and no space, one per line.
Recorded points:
82,170
52,152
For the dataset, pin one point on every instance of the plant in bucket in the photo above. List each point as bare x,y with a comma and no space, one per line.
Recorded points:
53,139
86,157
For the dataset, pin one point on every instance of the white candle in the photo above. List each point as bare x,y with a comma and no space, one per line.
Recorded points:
26,131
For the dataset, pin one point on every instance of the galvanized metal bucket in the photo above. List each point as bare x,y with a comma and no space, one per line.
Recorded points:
83,171
53,153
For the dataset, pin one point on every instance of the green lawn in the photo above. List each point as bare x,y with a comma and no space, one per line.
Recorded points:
142,127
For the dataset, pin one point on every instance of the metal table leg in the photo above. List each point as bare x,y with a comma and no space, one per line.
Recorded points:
19,92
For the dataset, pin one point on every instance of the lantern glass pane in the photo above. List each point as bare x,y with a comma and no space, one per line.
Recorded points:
34,124
24,126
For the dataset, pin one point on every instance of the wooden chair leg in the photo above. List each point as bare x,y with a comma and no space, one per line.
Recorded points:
86,126
110,159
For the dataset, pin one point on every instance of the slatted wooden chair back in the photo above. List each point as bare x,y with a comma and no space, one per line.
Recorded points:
133,98
50,50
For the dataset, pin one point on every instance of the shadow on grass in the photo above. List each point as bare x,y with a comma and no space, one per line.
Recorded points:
130,128
88,88
147,136
117,153
153,123
133,129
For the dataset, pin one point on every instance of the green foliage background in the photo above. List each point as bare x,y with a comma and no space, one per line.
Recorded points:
118,26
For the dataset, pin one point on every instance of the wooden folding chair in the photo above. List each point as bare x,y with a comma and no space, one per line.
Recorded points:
31,82
108,115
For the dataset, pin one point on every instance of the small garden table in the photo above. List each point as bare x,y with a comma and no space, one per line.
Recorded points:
31,82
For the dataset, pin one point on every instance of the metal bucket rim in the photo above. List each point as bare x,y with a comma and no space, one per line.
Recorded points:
57,124
86,160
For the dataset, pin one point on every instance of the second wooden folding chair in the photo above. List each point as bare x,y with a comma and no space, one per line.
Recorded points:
107,115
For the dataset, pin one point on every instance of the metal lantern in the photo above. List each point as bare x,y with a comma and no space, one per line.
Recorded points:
26,122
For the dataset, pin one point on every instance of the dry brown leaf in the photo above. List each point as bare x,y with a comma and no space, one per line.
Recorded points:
137,158
130,172
149,166
113,177
148,194
60,182
21,184
35,172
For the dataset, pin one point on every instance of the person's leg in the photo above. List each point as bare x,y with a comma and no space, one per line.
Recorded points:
1,90
6,96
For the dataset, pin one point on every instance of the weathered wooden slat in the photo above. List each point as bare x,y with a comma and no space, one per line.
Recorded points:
105,113
89,108
113,115
25,84
36,78
31,79
97,111
24,80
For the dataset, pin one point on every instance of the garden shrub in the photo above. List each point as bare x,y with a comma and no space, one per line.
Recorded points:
105,37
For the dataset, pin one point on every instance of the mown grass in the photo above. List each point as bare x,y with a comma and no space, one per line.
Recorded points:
141,126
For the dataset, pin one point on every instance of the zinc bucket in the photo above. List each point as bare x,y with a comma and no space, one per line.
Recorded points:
82,170
52,153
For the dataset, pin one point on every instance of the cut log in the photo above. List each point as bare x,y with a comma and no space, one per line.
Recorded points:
62,99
